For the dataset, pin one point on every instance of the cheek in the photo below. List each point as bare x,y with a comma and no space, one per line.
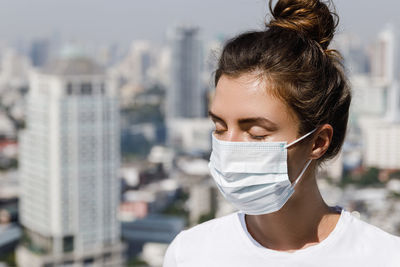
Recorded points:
297,158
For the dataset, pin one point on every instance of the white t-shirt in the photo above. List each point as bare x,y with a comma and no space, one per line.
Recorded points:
225,241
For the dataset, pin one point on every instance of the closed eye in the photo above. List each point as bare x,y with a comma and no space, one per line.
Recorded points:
258,137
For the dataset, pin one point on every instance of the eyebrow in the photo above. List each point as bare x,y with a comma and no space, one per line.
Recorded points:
215,117
254,120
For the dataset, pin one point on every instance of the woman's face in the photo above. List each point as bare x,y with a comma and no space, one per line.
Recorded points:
243,110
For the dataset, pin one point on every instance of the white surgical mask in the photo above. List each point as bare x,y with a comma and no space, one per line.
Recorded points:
253,176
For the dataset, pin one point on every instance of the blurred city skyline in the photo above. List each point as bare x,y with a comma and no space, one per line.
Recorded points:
109,22
104,133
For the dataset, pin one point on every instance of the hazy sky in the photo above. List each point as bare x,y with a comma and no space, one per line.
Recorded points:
120,21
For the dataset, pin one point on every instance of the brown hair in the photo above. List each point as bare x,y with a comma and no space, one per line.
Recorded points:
292,53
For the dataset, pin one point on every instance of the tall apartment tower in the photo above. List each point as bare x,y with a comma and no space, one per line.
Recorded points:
69,162
385,68
383,61
185,97
142,57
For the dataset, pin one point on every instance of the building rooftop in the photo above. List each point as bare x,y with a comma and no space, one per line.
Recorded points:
73,66
156,228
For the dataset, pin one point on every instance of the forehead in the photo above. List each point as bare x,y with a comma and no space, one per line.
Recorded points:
247,96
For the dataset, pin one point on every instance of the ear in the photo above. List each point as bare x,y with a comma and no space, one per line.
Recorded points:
321,141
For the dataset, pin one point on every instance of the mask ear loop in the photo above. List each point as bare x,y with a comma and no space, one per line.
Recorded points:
308,162
301,138
302,172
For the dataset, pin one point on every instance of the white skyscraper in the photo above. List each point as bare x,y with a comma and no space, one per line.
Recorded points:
185,96
381,141
69,162
383,61
393,103
384,67
142,56
381,131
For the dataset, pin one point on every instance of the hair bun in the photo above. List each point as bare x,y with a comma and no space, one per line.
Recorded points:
311,18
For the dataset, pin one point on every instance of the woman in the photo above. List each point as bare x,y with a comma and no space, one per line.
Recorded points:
280,109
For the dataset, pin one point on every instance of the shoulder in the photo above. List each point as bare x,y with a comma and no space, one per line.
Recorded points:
369,236
209,231
201,238
217,226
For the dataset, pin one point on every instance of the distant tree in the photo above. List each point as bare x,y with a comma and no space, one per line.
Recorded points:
369,177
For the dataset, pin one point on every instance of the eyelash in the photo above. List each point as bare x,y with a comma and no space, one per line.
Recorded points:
218,132
261,137
255,137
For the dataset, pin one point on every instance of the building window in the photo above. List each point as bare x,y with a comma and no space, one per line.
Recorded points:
69,89
107,256
68,243
86,89
88,261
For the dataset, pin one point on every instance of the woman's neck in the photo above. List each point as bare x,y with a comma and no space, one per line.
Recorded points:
303,221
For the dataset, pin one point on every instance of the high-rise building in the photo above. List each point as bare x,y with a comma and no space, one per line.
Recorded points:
393,103
385,69
135,69
39,53
141,53
381,143
69,163
14,69
185,95
380,134
354,53
369,96
383,56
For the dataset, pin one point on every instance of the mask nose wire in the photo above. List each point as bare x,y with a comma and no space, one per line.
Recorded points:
301,138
